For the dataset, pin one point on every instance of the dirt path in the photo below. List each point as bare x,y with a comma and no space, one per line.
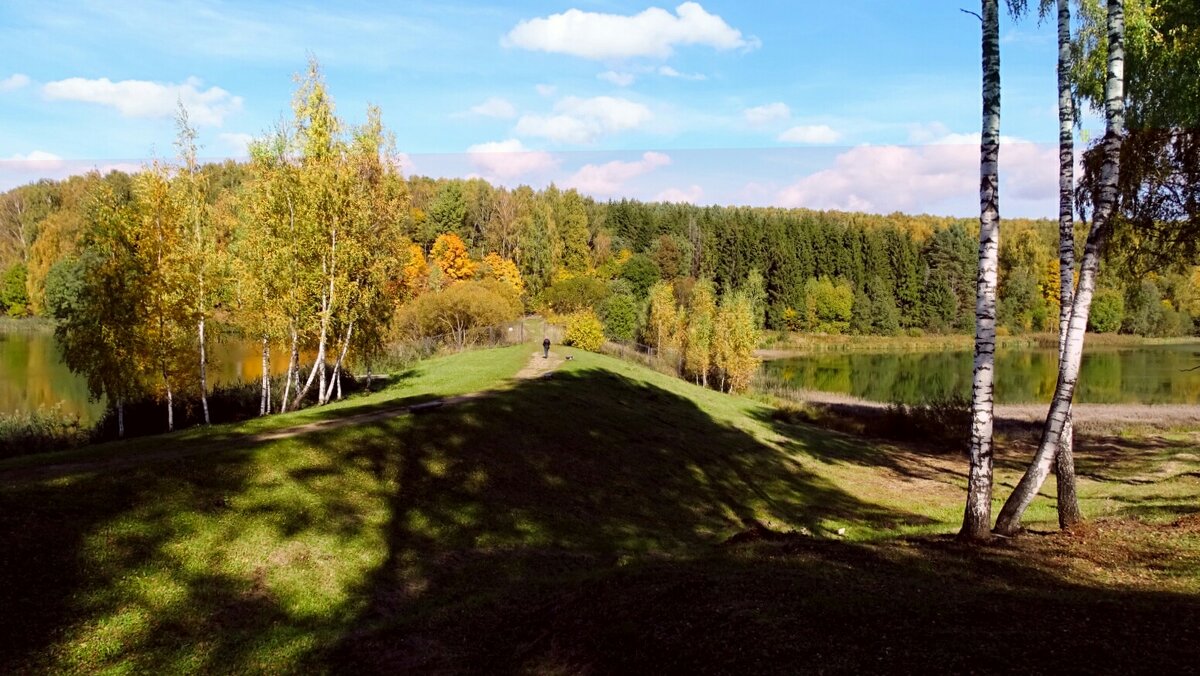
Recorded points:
537,367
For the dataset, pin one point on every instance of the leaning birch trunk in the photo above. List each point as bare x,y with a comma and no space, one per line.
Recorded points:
1009,522
1064,460
977,517
319,364
293,370
337,366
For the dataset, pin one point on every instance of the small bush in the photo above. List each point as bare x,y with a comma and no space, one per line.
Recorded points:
584,331
27,432
942,423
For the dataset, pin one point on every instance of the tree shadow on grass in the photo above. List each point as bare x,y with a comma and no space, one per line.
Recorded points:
570,524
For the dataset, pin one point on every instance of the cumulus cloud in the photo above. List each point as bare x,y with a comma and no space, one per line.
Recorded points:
883,179
495,107
504,160
14,82
690,195
766,114
576,120
667,71
810,133
610,177
654,32
142,98
619,79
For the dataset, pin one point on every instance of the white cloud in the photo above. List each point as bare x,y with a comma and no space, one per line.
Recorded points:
142,98
654,32
811,133
238,143
509,159
14,82
667,71
495,107
610,177
38,160
545,89
576,120
883,179
690,195
619,79
766,114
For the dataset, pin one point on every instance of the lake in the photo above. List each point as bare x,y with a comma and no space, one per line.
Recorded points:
33,375
1153,374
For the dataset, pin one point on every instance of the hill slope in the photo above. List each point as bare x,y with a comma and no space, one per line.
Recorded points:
605,518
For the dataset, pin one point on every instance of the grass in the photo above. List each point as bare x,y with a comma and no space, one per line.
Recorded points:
604,519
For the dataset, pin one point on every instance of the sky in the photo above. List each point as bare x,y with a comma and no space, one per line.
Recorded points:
864,105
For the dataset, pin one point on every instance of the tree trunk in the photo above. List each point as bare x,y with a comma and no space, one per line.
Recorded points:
1009,522
1064,460
319,365
978,514
120,418
293,371
337,367
170,410
203,375
264,406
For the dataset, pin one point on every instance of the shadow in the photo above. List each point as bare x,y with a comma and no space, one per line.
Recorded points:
583,522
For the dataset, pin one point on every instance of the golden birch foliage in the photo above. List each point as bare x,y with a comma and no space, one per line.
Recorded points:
697,351
449,254
503,269
735,338
664,317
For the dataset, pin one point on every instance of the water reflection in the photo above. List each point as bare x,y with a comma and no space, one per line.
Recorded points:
1151,375
32,374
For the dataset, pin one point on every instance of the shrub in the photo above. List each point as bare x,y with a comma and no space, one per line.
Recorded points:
584,331
620,314
575,294
26,432
1107,312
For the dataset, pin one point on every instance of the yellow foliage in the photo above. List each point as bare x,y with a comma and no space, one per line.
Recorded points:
503,269
450,255
584,331
413,275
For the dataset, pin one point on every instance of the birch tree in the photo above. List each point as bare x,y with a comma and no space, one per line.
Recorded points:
1009,521
1068,501
977,516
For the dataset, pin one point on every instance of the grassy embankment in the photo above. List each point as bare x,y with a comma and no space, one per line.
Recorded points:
605,519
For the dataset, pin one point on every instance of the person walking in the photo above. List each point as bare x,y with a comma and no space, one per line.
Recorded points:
545,348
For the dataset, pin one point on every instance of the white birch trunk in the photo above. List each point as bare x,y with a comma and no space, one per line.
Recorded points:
1009,521
978,514
170,409
293,370
120,418
204,375
265,400
337,366
1064,460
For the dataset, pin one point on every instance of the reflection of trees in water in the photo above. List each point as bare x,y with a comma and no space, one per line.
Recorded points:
1141,375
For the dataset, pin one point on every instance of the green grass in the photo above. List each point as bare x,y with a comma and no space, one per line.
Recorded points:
581,522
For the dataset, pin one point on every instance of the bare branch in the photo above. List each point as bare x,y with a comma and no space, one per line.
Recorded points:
974,14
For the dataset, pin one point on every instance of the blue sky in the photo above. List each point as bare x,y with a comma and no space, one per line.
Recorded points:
857,104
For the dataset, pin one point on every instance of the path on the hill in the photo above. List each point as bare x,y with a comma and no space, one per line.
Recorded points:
537,367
